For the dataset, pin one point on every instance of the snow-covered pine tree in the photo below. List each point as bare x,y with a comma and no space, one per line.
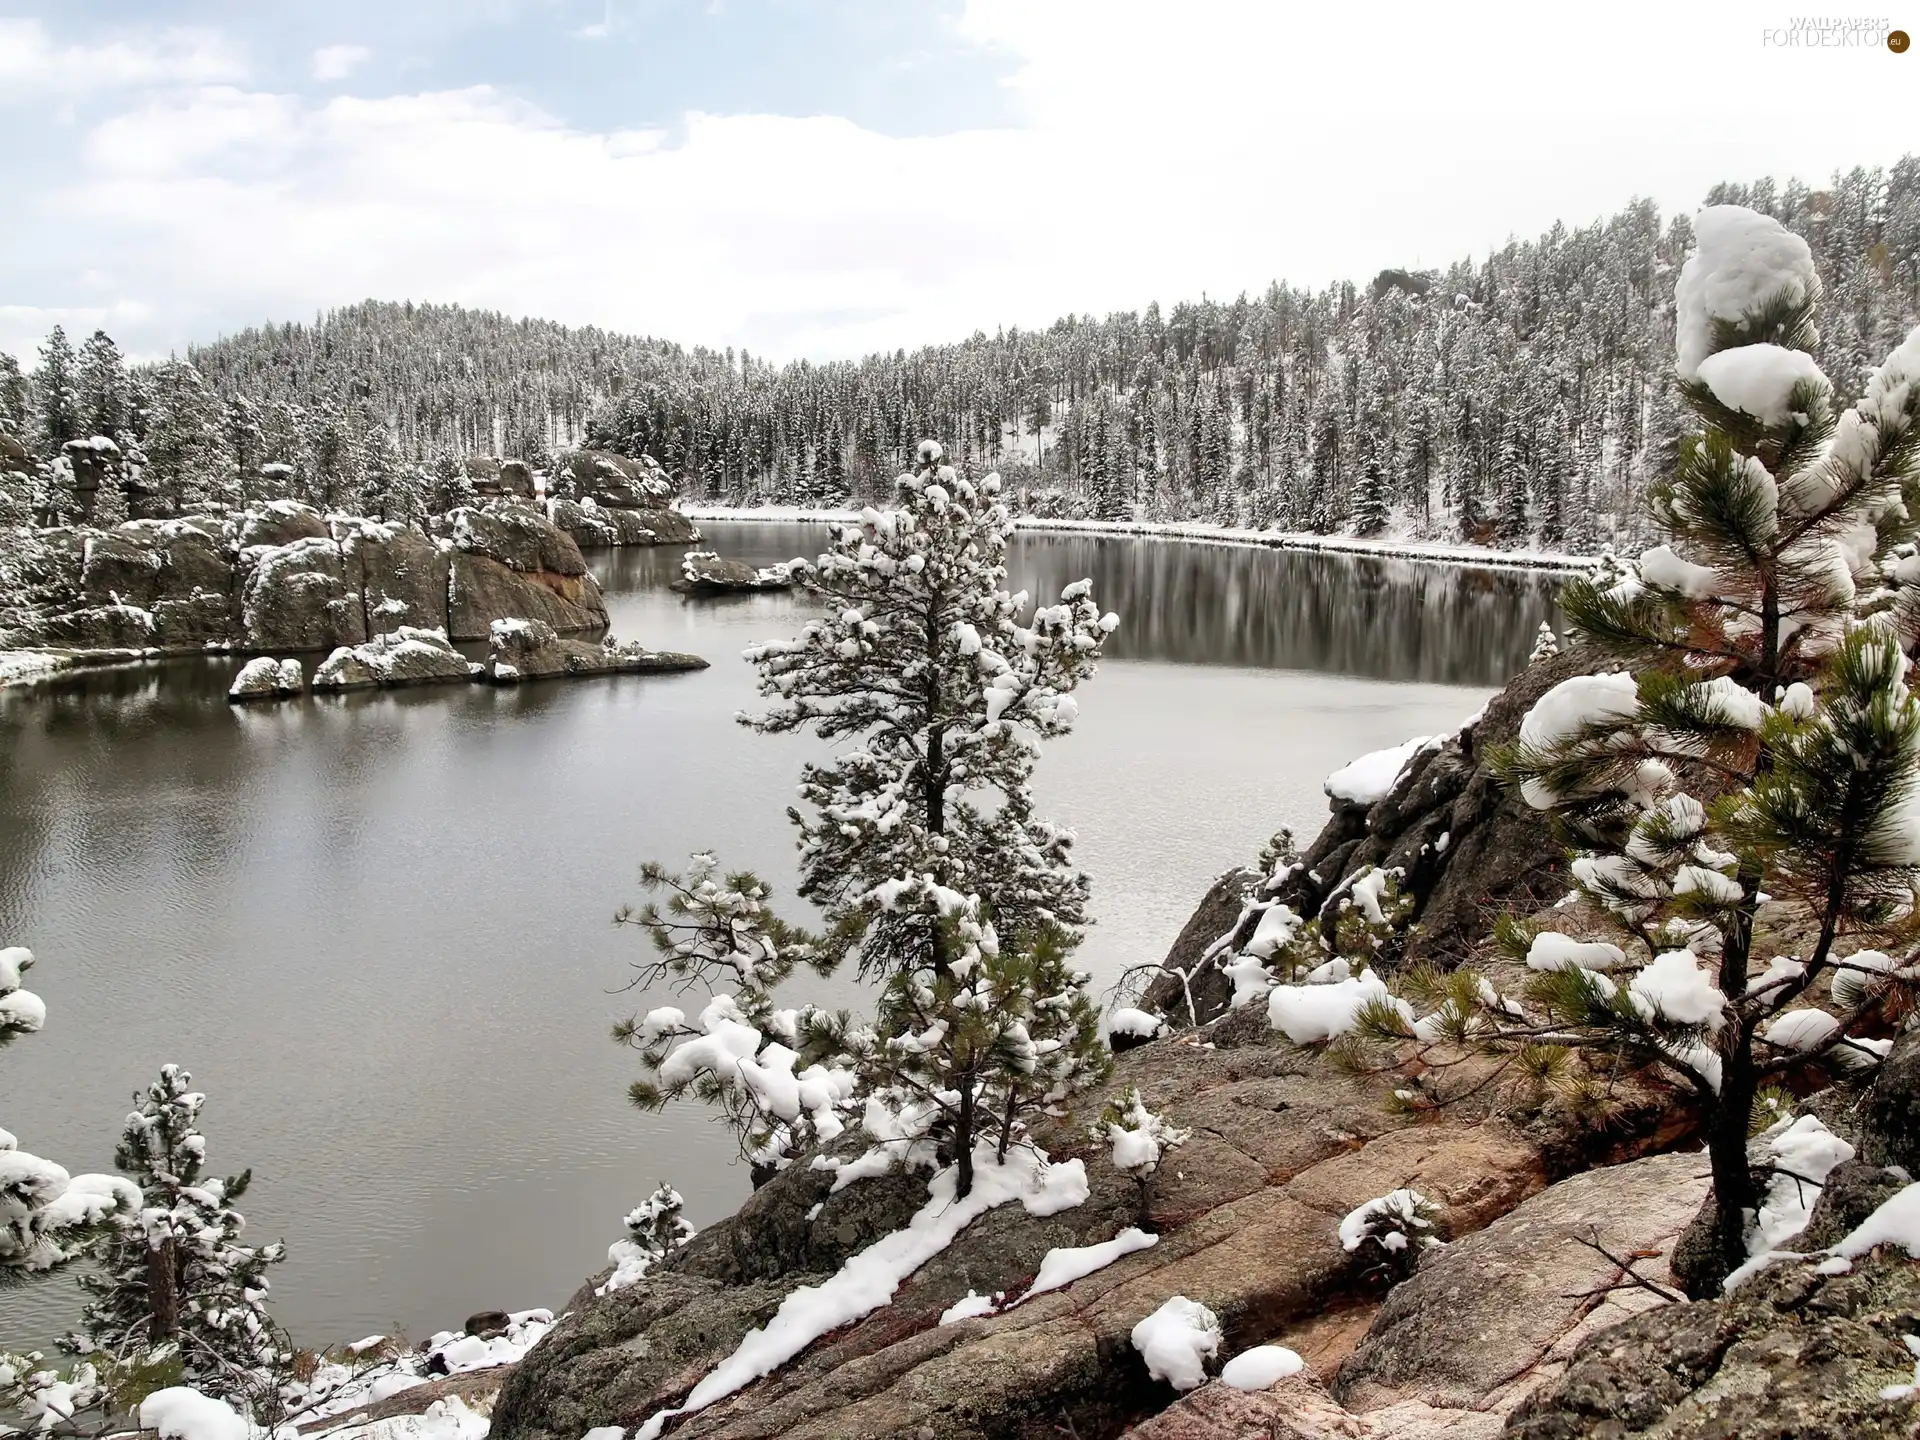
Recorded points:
1138,1140
1370,499
48,1218
1514,481
1761,741
110,506
391,488
245,452
1556,478
961,1053
178,1281
16,399
655,1229
19,545
104,394
919,844
1546,644
56,387
183,445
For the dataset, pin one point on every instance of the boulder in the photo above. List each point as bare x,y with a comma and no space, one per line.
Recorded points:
487,1323
101,627
1890,1112
194,553
279,522
178,570
406,656
516,478
591,523
264,678
702,572
517,536
482,590
121,568
1247,1216
615,481
1495,1315
402,574
1791,1353
1299,1408
296,597
1189,990
530,650
194,621
94,460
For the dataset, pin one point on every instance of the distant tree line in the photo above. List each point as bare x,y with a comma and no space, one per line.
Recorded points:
1525,398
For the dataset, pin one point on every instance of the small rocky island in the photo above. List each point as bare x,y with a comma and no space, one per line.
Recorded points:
387,602
703,572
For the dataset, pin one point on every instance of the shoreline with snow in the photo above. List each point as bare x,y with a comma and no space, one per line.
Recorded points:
1423,552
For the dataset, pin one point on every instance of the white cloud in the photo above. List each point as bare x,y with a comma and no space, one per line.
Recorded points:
337,62
33,67
1161,153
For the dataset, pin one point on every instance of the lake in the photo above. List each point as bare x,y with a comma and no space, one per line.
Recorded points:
378,928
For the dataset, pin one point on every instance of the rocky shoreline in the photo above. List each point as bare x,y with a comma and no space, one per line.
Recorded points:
1551,1313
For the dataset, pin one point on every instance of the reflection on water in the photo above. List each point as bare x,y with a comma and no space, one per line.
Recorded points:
377,927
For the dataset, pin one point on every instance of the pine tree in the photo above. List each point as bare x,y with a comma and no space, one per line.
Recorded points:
1546,644
1370,500
741,1055
1138,1140
919,846
19,545
184,445
56,386
655,1229
927,662
178,1282
1763,644
1514,479
392,488
105,397
16,397
450,485
246,449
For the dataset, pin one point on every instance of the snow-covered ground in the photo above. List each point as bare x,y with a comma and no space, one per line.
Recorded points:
1383,547
18,667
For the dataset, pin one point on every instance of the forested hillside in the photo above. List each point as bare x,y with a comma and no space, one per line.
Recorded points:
1521,398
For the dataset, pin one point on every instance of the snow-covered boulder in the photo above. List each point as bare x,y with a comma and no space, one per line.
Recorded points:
520,650
702,572
402,573
264,678
407,656
297,597
102,627
279,522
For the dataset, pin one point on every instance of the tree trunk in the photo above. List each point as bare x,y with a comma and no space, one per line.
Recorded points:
1717,1241
163,1292
963,1141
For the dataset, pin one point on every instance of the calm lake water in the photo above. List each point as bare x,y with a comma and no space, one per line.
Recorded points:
377,928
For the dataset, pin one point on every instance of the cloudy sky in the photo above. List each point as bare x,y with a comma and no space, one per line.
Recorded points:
824,177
